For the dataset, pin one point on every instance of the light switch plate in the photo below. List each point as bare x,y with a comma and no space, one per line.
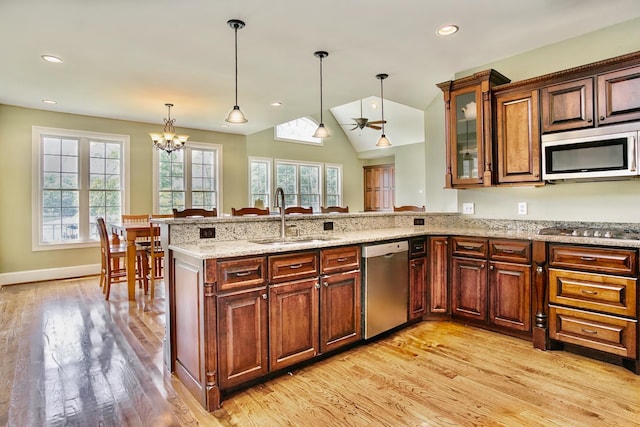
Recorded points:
467,208
522,208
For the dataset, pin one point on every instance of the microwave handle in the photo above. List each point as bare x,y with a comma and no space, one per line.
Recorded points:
634,148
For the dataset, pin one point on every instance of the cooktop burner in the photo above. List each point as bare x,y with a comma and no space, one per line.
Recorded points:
608,233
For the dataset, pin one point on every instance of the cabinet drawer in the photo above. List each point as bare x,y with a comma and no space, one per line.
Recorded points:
611,294
418,247
234,274
473,247
598,331
599,260
516,251
340,259
299,265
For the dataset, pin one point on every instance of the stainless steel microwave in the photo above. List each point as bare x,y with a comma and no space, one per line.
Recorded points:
608,152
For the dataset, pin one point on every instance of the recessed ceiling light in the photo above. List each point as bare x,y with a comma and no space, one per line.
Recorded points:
49,101
447,30
276,104
374,105
224,125
51,58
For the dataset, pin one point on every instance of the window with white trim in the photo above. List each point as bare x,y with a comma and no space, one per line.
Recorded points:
333,185
188,178
77,176
301,182
298,130
260,181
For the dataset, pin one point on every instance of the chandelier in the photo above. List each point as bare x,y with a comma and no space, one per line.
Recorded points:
168,140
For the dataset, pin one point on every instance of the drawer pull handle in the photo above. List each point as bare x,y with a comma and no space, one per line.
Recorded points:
343,259
418,247
588,292
242,273
295,266
469,248
508,251
588,258
589,331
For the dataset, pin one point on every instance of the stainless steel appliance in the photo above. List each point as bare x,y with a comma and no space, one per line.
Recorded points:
604,232
386,287
608,152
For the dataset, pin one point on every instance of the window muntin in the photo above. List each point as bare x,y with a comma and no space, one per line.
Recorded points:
298,130
188,178
333,185
260,181
77,176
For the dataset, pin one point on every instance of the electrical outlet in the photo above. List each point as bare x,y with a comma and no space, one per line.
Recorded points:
418,221
208,233
467,208
328,226
522,208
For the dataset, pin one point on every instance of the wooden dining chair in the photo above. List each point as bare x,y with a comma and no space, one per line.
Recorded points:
298,210
141,241
112,272
194,212
249,211
155,253
408,208
335,209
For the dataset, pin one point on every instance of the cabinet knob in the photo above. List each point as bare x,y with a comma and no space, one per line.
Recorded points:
601,118
491,267
264,296
326,284
482,266
317,285
589,120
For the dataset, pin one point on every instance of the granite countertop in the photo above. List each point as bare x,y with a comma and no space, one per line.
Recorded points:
234,248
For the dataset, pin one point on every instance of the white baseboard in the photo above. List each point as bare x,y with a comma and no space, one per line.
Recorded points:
48,274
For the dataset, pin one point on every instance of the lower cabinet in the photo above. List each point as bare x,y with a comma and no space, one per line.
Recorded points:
438,276
340,310
417,277
491,282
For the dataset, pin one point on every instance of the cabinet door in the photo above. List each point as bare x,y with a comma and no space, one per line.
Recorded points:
293,322
340,310
619,96
379,192
567,105
437,294
417,287
469,288
466,139
242,337
518,137
510,295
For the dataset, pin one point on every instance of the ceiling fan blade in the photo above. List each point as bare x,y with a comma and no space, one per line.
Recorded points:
356,127
374,127
377,122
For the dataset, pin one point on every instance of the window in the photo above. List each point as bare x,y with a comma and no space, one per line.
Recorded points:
260,181
301,183
298,130
77,176
188,178
333,185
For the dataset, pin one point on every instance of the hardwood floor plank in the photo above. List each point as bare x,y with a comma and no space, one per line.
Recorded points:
71,358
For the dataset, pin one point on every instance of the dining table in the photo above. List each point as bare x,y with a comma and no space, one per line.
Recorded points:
130,232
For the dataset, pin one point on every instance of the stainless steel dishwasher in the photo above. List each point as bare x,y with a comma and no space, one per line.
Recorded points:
386,287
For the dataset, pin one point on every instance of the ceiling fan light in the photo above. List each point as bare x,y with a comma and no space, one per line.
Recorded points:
383,141
236,116
321,132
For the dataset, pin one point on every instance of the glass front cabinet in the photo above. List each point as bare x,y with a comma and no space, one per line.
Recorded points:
468,127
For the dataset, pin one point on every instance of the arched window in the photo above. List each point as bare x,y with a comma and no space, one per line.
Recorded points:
298,130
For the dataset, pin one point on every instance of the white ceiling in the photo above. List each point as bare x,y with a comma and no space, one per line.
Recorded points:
124,59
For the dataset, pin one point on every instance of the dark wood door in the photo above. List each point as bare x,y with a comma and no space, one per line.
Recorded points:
437,292
417,287
567,105
510,295
469,288
293,322
518,137
379,191
619,96
242,337
340,310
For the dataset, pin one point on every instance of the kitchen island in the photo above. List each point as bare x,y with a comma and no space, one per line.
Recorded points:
230,319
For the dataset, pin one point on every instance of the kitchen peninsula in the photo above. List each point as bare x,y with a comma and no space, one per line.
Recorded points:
228,324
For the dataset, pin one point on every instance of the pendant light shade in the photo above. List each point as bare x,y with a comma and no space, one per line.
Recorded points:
321,132
383,141
236,116
167,140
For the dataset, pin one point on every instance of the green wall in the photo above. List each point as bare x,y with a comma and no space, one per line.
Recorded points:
599,201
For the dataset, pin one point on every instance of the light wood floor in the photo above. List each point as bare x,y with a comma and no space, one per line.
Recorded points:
67,357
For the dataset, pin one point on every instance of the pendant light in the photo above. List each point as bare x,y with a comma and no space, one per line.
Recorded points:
383,141
236,116
168,140
321,132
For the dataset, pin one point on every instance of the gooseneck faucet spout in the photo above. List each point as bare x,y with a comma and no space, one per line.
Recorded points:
279,202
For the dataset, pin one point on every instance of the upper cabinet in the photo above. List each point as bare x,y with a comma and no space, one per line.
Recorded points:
468,122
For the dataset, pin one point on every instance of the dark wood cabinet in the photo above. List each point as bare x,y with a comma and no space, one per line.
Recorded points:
618,96
518,137
417,277
379,187
510,295
469,129
567,105
438,276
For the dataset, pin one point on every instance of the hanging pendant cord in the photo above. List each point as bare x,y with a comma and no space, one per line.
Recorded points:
236,37
382,103
321,90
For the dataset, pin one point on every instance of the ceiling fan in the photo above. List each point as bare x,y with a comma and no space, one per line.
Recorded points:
363,122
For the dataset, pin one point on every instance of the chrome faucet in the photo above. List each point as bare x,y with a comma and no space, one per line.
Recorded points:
279,202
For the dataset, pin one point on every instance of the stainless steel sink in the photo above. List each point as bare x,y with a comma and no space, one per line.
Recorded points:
292,241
